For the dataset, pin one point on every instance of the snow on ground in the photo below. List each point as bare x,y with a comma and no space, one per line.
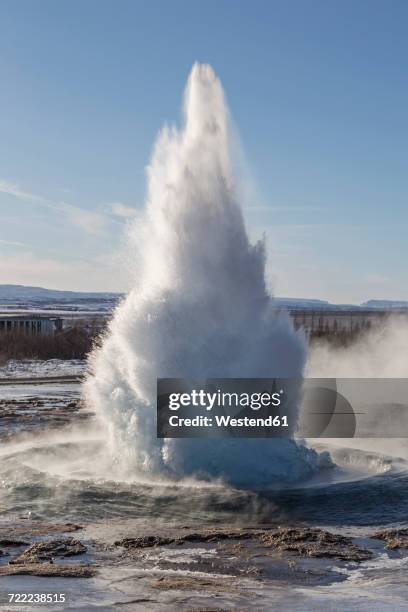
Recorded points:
38,368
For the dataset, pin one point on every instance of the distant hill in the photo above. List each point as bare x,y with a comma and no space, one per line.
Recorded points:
23,292
385,304
301,302
309,304
26,298
21,297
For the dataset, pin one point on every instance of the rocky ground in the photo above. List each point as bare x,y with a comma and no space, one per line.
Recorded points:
123,564
28,414
394,539
31,548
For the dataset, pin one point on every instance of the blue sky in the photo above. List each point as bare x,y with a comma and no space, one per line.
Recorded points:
318,90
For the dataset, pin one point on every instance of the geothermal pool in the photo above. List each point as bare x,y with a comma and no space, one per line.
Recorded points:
209,537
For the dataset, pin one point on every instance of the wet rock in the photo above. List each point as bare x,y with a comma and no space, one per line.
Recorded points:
393,538
12,542
68,527
210,535
22,415
45,551
29,529
196,583
308,542
48,570
144,542
215,536
303,541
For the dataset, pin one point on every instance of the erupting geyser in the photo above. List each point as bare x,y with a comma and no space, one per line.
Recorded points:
200,309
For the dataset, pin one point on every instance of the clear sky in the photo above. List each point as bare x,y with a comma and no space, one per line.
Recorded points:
317,88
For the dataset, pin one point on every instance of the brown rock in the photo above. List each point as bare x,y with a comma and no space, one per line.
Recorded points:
196,583
48,570
12,542
303,541
309,542
45,551
144,542
393,538
28,529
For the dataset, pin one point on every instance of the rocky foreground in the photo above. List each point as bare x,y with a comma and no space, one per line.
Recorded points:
35,414
302,541
39,549
134,561
41,558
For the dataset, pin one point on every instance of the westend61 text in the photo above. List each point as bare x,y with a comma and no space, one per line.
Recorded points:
227,421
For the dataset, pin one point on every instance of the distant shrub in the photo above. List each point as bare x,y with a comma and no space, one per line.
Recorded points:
339,338
74,343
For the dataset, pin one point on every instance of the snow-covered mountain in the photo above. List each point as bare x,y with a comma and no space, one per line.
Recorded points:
21,297
16,292
309,304
385,304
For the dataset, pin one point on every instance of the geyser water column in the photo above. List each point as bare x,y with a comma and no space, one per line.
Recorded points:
200,309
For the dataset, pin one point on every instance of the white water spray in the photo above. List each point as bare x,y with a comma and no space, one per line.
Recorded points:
200,309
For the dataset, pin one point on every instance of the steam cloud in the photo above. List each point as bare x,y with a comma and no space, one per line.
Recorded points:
381,353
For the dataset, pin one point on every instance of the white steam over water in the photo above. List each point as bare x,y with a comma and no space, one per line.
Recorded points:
200,309
381,353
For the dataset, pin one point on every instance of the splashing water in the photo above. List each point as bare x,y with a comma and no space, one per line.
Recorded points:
200,309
